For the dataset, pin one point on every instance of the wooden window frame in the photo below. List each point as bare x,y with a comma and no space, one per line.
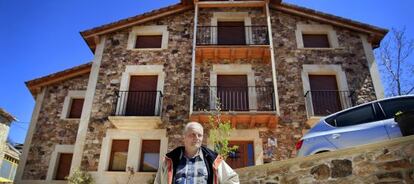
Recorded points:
143,151
67,104
59,164
77,115
148,31
307,42
111,156
157,37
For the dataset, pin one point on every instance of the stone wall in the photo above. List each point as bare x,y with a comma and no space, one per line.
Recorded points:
4,132
385,162
176,62
289,65
50,129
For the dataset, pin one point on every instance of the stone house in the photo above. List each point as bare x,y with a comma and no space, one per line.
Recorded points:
5,153
156,71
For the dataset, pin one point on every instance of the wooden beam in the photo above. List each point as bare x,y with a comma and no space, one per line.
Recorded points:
232,52
252,121
233,121
216,53
231,4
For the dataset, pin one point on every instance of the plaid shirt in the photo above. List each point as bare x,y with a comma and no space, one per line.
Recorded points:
191,170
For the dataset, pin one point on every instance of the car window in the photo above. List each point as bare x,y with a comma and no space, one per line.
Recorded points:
364,114
392,106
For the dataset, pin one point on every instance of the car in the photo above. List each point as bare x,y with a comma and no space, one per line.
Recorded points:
363,124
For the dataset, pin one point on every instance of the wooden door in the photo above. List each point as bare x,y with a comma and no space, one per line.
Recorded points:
243,157
63,169
231,33
142,96
325,94
232,90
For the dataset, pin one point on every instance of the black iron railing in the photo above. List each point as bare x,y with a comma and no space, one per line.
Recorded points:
137,103
322,103
256,98
232,35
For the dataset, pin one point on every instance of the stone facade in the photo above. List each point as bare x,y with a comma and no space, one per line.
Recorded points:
289,65
176,62
385,162
51,130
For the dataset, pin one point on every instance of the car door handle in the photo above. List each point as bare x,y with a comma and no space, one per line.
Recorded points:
336,136
393,125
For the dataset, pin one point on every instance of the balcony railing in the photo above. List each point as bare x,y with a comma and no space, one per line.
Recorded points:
137,103
232,35
252,98
322,103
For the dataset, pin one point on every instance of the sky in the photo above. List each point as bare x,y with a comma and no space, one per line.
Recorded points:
40,37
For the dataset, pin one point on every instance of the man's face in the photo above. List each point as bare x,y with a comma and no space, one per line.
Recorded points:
193,138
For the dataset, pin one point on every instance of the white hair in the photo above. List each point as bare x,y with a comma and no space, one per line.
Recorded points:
192,125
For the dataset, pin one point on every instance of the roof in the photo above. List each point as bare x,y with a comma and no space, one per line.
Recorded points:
89,35
4,114
12,151
36,84
376,33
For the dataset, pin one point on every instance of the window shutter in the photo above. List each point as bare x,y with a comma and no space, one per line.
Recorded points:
315,41
119,155
148,41
76,108
150,155
65,161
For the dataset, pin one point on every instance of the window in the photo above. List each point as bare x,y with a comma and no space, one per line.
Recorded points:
73,105
119,155
148,41
64,163
148,38
392,106
315,41
316,36
231,33
243,156
76,108
364,114
150,156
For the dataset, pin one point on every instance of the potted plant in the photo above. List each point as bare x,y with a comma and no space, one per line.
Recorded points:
405,121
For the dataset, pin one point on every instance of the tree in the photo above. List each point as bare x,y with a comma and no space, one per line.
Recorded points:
396,66
220,132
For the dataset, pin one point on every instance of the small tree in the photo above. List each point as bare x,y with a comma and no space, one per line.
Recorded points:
80,177
395,65
220,132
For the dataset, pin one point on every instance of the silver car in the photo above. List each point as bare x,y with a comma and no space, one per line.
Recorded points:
363,124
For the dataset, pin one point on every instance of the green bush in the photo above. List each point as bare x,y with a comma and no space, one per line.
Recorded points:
80,177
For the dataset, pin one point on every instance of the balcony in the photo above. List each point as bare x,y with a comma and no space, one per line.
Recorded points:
230,3
137,109
243,106
231,41
323,103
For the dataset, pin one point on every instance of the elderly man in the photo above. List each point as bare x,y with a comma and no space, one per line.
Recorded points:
193,163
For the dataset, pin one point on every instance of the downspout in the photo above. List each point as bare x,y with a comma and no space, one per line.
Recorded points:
193,57
272,58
